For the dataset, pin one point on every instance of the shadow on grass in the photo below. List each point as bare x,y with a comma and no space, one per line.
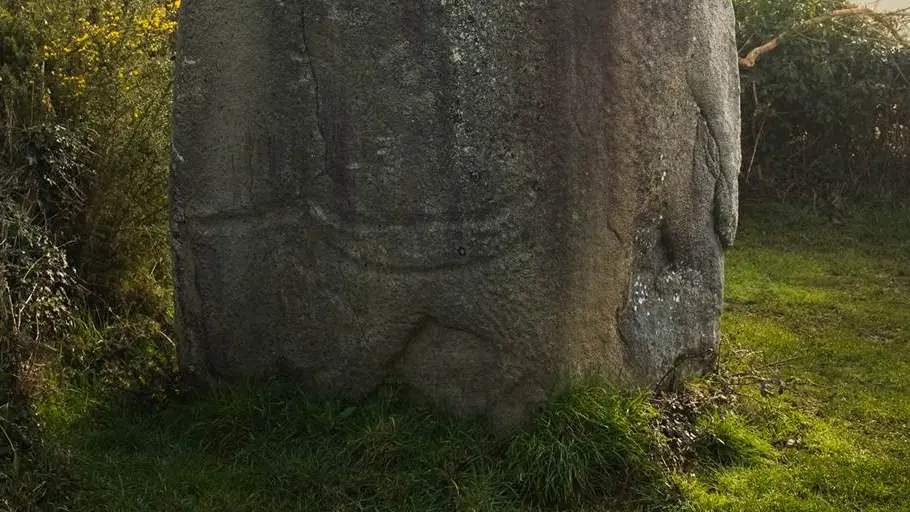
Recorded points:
269,446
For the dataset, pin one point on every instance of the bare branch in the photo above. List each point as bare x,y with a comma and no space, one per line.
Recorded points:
748,62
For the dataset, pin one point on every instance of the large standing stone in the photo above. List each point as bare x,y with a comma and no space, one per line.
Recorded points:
479,198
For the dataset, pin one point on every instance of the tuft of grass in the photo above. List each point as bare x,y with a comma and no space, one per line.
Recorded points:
590,443
726,440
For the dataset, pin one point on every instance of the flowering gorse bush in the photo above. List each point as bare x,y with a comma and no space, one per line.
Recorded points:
84,154
84,260
104,69
108,51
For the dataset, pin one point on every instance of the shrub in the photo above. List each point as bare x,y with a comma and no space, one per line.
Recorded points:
84,112
101,69
826,115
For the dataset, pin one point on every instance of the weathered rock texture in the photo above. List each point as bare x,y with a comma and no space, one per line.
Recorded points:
478,198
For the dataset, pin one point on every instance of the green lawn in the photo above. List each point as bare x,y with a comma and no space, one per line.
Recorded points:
824,306
815,342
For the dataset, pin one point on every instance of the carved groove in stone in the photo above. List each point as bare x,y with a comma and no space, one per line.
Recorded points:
480,198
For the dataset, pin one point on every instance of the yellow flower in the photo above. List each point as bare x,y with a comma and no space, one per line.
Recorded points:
77,83
46,101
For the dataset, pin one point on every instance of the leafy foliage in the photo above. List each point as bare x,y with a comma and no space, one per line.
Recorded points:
95,76
84,101
826,116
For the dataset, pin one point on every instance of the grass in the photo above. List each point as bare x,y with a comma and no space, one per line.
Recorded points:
824,308
271,447
811,412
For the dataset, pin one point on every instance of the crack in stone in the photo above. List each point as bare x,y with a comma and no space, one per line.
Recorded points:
316,88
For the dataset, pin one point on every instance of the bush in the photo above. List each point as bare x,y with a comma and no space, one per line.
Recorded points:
826,115
101,70
85,90
36,282
84,112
